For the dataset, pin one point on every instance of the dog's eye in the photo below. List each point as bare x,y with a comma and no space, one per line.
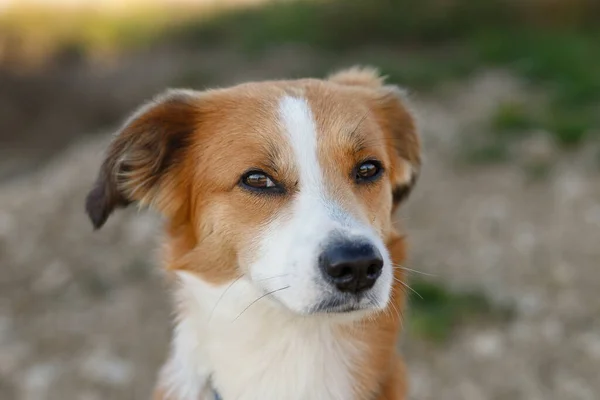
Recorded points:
368,171
259,181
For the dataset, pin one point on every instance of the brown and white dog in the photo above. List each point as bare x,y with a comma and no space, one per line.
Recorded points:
278,199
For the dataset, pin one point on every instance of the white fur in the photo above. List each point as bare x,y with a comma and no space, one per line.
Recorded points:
253,348
408,171
265,353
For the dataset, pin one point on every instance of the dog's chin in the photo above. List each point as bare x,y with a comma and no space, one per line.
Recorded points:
344,308
332,309
342,304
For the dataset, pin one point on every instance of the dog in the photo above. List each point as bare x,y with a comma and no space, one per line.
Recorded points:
277,199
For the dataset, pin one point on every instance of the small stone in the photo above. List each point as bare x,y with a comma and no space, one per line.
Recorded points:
37,381
552,330
89,396
590,342
13,355
592,215
470,391
538,148
488,344
530,304
52,277
5,328
6,224
103,367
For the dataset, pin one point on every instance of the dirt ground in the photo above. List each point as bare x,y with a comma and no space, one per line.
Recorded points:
85,315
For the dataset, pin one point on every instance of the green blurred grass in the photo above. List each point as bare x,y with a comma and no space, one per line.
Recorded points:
436,311
563,63
553,45
512,118
345,24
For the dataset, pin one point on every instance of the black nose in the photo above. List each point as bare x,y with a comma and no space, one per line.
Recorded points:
352,267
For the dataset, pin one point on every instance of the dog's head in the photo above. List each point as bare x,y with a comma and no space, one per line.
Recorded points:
290,184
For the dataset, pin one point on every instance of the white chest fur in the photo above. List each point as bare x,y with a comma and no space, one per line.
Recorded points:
264,353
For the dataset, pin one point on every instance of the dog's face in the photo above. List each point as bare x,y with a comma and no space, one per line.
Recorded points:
290,184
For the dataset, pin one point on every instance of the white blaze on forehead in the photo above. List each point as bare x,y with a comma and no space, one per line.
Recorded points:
299,125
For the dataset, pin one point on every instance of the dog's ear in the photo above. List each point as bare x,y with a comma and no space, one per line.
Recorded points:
398,121
143,156
393,112
358,76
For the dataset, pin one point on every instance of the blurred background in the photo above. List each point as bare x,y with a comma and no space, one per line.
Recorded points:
504,226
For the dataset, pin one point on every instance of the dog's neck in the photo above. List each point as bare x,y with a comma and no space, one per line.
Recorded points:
257,351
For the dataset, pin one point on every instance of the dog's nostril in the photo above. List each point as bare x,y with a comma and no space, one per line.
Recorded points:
351,267
373,271
346,272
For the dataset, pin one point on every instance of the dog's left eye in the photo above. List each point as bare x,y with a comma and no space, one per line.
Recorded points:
259,181
368,171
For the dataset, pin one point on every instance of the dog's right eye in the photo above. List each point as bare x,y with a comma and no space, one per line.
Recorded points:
259,181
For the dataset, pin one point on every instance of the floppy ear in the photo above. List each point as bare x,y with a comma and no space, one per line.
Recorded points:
398,122
393,112
143,156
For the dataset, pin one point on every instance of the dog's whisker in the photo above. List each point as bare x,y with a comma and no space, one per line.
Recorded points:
401,319
260,298
399,312
395,309
270,277
408,287
223,295
412,270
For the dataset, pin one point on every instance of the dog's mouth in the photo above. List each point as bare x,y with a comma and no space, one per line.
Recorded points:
342,304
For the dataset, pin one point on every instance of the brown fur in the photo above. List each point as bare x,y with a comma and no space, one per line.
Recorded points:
183,155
